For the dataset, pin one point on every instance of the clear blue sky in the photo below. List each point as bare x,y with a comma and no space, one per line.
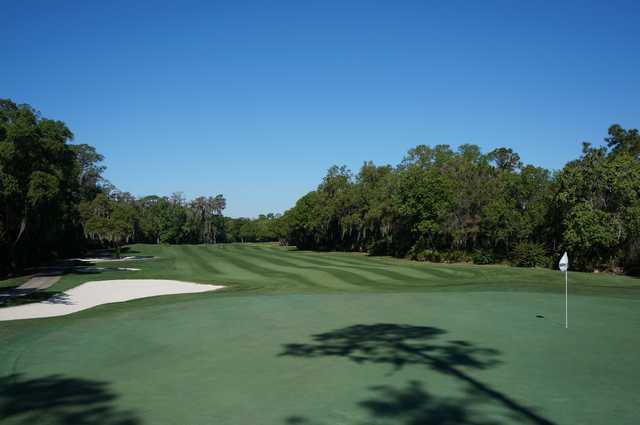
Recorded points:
256,100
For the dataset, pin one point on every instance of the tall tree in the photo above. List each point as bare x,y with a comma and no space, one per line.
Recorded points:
39,184
109,221
598,197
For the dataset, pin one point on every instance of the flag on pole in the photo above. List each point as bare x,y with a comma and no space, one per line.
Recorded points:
563,265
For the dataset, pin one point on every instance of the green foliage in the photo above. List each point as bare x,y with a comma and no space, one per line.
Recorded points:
161,220
40,187
621,140
436,205
265,228
529,254
439,204
108,220
598,202
455,256
483,257
435,256
430,255
43,187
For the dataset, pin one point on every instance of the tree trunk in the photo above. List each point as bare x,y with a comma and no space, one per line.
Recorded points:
15,264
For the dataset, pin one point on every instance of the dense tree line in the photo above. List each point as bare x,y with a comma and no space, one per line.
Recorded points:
441,204
265,228
172,220
54,201
114,219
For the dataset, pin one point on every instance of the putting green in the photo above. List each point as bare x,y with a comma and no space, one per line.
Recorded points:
306,338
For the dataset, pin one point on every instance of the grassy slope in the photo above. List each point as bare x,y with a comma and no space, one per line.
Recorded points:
460,345
264,268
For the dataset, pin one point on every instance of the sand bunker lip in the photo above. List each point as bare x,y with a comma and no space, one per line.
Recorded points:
92,294
88,269
109,259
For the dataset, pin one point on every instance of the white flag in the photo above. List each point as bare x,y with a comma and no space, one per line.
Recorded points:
564,263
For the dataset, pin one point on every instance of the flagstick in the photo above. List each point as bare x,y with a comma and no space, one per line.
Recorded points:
566,299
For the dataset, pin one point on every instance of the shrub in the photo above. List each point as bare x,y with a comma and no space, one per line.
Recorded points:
434,256
530,254
379,247
455,256
425,255
483,257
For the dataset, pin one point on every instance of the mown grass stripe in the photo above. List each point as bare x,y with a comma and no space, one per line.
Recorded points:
351,275
259,270
198,257
375,272
325,277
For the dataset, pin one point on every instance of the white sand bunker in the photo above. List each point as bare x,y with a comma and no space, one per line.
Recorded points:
92,294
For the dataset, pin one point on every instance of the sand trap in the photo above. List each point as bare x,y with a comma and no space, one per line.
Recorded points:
92,294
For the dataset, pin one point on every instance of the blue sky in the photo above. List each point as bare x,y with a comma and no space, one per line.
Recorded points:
257,99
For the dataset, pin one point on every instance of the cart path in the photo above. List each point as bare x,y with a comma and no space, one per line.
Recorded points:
42,280
39,281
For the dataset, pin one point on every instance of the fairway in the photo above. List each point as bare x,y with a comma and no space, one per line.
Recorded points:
330,338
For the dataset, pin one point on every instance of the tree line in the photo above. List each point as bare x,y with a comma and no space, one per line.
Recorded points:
438,204
55,202
115,218
446,205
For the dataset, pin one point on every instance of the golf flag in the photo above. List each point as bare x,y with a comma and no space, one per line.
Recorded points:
564,263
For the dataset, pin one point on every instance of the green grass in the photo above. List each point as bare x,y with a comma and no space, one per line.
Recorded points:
330,338
13,282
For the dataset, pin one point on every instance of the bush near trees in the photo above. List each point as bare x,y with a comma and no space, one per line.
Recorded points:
438,204
530,254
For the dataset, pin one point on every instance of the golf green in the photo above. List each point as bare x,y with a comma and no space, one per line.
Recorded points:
310,338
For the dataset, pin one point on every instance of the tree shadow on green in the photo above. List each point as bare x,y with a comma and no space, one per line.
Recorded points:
402,345
60,400
20,297
413,405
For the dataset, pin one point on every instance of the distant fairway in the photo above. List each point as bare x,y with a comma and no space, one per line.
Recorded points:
330,338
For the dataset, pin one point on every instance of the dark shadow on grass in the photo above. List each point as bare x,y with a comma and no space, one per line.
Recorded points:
28,292
401,345
110,252
34,297
413,405
60,400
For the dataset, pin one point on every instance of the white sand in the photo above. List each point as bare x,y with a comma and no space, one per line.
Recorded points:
92,294
107,259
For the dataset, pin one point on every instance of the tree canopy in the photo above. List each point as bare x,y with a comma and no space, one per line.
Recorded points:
444,204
